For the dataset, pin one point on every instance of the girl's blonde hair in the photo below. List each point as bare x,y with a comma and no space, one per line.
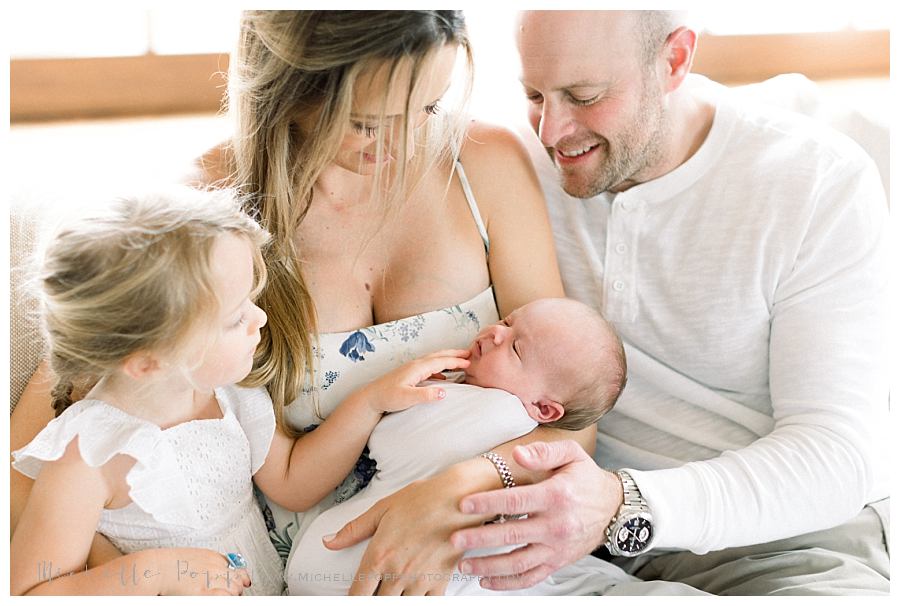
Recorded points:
306,63
134,276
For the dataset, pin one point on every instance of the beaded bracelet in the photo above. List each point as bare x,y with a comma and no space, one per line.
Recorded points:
502,468
506,477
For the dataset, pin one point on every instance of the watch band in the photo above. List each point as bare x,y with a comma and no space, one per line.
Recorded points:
632,495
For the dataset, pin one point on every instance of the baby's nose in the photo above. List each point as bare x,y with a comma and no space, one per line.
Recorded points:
498,333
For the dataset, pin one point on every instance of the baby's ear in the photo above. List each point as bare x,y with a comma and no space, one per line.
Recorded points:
140,364
546,410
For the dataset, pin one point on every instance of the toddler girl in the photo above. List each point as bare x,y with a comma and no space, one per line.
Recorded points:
150,305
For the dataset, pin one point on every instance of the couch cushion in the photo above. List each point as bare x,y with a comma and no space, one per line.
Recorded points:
26,345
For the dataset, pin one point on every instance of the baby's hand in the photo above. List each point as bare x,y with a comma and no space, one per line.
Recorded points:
189,571
399,389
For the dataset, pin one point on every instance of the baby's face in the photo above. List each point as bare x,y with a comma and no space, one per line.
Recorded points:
521,353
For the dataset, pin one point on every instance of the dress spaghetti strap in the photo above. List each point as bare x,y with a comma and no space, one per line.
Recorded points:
473,206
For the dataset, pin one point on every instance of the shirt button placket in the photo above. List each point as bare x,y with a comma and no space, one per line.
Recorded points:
622,230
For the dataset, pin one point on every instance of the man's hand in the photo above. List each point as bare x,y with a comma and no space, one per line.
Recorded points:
567,517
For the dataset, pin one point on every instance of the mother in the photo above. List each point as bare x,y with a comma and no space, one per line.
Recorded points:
398,229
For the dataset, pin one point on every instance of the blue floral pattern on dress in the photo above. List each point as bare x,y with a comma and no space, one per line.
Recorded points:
330,377
281,539
464,318
355,346
266,510
359,478
406,330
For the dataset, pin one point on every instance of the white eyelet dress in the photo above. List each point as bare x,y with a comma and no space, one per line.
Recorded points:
191,484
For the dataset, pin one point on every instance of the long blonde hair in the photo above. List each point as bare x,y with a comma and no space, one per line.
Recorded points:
134,276
292,63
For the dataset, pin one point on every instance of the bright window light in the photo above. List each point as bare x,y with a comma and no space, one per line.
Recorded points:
789,19
34,30
37,30
188,29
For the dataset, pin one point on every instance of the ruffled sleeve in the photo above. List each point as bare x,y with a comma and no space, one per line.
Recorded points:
253,409
156,483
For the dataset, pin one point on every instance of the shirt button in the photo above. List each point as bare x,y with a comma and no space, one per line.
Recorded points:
621,248
618,285
627,205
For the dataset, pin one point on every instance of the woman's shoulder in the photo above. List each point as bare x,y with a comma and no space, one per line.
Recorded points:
497,165
491,145
214,168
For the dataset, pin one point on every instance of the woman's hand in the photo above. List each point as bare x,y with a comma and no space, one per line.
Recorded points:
399,389
567,517
186,571
410,552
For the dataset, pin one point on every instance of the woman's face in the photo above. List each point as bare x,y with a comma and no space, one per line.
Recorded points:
358,150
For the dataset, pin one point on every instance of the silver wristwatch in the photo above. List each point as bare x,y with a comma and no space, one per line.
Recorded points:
630,532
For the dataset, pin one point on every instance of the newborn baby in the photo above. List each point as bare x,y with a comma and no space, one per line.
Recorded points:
559,357
554,361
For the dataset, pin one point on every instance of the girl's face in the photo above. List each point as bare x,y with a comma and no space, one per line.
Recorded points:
229,356
372,114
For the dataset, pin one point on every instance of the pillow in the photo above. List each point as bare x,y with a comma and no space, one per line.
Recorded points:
796,92
26,345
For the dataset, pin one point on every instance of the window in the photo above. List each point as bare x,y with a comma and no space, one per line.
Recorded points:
75,61
828,42
87,61
70,31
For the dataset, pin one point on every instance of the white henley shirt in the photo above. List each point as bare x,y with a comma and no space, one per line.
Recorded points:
749,286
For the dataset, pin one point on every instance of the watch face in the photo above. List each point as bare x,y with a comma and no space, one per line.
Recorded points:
634,534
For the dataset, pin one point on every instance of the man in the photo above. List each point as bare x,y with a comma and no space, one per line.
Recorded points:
739,251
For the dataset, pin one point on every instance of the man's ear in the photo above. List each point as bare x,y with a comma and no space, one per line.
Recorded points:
141,364
545,410
679,55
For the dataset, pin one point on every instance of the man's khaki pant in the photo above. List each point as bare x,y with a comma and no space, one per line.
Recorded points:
851,559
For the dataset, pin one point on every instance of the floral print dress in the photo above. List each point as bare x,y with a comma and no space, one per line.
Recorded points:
346,361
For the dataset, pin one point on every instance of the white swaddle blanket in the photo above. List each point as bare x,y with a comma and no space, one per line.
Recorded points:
414,444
